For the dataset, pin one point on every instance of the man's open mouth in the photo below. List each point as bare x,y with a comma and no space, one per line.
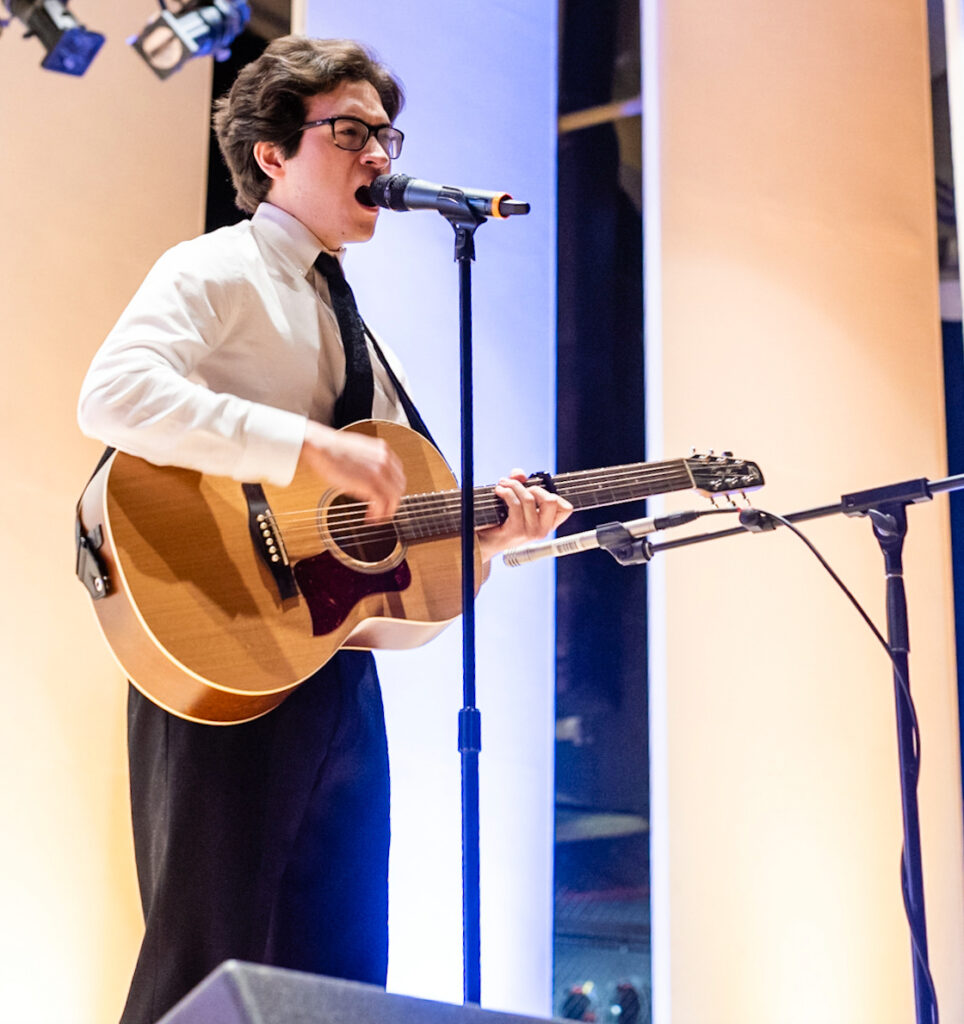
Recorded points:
364,196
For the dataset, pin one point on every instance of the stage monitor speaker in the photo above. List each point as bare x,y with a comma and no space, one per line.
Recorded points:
240,993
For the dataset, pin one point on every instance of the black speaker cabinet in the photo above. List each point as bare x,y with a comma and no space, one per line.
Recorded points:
240,993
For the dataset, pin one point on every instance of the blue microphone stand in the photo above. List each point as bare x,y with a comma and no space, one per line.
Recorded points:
465,221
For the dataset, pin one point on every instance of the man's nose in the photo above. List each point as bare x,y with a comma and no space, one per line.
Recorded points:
375,153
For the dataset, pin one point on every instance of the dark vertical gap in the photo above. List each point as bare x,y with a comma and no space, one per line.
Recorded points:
602,762
220,209
948,256
954,401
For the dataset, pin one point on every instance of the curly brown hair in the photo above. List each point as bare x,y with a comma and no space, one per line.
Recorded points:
267,102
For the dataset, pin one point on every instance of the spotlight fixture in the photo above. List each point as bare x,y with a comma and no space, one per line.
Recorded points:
70,47
579,1003
626,1005
170,40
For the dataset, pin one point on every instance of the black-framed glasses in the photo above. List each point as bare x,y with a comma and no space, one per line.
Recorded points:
352,133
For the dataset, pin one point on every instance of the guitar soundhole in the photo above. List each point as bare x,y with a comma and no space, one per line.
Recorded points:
358,540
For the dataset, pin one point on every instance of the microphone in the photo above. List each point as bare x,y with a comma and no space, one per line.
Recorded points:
400,192
590,539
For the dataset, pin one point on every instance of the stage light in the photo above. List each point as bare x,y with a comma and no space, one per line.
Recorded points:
627,1005
70,47
579,1003
170,40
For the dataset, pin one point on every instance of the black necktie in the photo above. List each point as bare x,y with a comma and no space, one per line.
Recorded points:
355,402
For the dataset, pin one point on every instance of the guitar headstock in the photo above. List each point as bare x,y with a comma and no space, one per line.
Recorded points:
723,474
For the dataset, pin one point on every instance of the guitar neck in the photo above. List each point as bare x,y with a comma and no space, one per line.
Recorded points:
423,516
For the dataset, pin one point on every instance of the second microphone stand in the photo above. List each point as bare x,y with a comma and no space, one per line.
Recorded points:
886,508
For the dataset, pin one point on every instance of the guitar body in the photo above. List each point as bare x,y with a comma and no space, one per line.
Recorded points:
194,616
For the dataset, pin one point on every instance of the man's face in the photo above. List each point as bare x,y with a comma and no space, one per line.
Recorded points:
318,184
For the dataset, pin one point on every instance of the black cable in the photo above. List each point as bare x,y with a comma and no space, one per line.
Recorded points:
904,688
905,691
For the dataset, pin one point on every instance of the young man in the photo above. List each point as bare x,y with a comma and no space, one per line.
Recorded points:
268,841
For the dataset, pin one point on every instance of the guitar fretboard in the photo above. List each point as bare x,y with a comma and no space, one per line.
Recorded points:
422,516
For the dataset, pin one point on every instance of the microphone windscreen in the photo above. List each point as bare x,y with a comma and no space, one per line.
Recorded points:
386,191
394,190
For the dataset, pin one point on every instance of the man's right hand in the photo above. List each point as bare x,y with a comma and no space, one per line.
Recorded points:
362,466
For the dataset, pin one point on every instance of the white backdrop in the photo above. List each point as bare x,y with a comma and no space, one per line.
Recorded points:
481,100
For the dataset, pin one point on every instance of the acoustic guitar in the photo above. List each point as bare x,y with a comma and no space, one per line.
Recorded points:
218,598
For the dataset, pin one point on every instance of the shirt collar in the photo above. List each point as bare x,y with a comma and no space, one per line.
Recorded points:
289,238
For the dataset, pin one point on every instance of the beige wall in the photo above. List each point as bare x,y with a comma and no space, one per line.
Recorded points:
97,176
796,282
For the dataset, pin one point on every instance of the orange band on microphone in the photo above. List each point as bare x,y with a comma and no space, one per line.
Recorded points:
496,212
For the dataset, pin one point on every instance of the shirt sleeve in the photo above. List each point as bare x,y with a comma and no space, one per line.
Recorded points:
139,395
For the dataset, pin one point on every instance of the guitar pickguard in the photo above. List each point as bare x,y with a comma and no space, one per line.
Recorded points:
331,589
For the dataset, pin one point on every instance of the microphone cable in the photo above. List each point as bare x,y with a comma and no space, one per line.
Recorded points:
767,521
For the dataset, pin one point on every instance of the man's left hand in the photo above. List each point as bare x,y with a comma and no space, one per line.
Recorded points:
534,512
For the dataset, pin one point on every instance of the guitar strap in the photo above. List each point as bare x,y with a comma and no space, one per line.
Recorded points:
415,421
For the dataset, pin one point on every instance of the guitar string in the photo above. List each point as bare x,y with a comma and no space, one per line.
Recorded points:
441,504
595,480
360,532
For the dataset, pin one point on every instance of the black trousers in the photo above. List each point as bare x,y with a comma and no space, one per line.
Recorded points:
266,841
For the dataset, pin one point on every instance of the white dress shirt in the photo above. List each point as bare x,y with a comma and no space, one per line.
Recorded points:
226,350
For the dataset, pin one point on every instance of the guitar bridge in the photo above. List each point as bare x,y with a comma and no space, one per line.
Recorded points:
268,542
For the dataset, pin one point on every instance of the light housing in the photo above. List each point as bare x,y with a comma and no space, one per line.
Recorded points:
70,47
170,40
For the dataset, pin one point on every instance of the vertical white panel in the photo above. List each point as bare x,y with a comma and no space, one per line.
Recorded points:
659,867
656,580
481,101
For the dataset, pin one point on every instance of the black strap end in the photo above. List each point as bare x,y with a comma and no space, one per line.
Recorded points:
90,568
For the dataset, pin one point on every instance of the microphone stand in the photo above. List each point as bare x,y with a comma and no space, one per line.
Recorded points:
465,221
886,507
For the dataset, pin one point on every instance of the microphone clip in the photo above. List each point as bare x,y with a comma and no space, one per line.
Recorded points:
454,206
754,521
622,545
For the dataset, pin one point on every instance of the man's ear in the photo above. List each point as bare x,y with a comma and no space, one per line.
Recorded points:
270,159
